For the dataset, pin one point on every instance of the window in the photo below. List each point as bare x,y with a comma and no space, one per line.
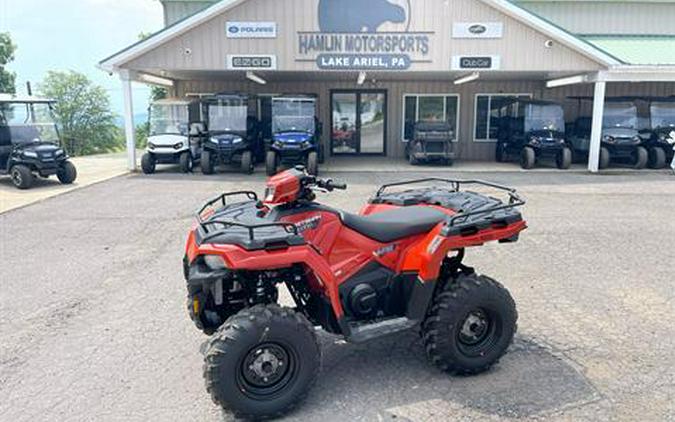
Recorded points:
487,113
429,108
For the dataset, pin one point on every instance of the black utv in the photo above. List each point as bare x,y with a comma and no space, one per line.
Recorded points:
30,142
295,134
431,142
620,138
234,136
659,135
532,130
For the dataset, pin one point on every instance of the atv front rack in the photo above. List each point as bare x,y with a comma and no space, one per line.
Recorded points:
223,200
474,211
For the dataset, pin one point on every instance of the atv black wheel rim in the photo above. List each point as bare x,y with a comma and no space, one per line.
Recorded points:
477,332
266,370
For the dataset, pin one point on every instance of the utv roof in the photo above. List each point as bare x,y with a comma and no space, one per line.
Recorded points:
173,101
295,97
227,95
25,99
512,100
624,99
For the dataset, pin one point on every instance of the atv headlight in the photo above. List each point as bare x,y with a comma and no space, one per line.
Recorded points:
30,154
151,145
178,145
269,193
215,262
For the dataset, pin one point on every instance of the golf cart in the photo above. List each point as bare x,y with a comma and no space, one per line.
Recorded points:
431,142
531,130
176,134
30,142
660,132
234,135
296,134
620,138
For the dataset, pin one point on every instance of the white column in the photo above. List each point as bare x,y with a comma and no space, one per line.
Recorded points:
596,128
129,128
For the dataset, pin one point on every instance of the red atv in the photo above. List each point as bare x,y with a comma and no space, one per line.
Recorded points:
395,266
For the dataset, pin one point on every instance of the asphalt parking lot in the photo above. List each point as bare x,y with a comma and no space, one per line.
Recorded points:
93,324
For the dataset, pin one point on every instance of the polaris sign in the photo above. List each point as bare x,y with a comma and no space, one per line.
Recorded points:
251,29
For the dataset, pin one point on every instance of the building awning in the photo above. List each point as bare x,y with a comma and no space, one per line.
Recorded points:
637,49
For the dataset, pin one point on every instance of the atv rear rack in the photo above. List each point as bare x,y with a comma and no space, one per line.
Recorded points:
223,200
465,222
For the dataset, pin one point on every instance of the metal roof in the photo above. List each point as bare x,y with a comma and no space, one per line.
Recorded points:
173,101
10,98
637,49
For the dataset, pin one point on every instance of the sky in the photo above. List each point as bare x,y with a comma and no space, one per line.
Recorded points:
77,34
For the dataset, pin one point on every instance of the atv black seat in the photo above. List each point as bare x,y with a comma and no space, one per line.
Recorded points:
238,224
396,224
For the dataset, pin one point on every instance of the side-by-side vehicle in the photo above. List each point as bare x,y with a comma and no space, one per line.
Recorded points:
432,141
295,134
30,143
659,136
234,135
620,138
177,131
532,130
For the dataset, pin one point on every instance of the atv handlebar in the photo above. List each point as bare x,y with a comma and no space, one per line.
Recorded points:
330,185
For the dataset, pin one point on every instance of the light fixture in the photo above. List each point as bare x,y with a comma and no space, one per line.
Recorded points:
361,79
569,80
154,80
468,78
255,78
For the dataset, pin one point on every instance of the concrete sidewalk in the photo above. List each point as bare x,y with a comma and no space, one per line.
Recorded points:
90,170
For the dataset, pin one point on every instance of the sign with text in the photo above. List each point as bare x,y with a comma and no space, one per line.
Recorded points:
352,36
251,29
251,62
477,30
476,63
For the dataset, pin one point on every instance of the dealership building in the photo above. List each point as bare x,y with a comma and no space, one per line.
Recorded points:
376,66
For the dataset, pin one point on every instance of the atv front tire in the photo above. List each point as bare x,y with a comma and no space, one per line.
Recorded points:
206,163
471,324
271,163
262,362
148,163
22,177
67,173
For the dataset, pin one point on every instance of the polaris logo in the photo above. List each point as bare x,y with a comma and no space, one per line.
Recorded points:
251,29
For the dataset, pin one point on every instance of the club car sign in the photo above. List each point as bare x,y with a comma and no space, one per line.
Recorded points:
354,36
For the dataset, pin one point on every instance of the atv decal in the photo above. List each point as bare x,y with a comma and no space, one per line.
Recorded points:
309,224
385,250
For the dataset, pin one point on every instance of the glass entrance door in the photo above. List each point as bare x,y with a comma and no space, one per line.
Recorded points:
358,122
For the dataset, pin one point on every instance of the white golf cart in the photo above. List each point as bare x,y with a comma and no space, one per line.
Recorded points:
176,134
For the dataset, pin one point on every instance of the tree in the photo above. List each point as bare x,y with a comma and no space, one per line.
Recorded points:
7,50
82,112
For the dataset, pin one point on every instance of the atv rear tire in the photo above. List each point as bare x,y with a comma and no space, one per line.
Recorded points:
564,159
271,163
528,158
605,158
313,163
148,164
641,158
657,158
247,162
471,324
262,362
185,162
206,163
67,173
22,177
